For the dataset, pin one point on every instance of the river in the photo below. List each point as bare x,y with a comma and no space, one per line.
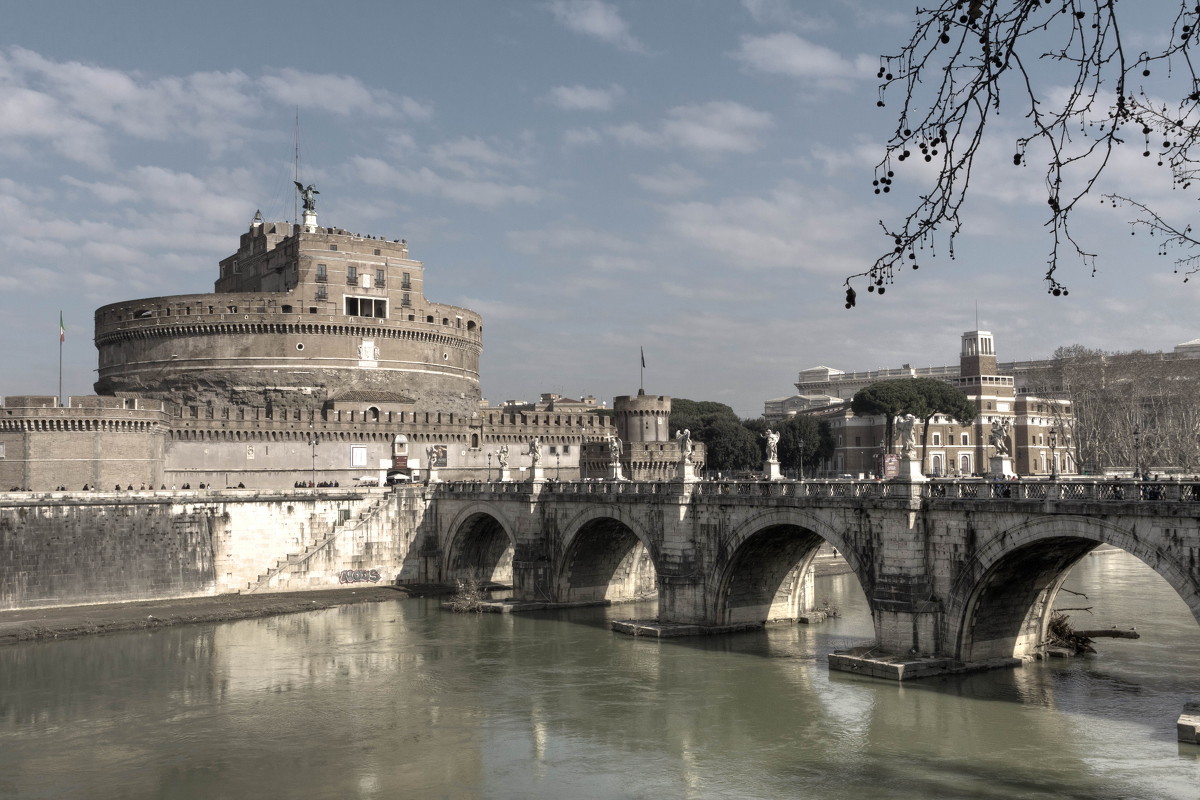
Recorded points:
402,700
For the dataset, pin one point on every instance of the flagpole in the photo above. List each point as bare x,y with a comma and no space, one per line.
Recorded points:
61,337
642,373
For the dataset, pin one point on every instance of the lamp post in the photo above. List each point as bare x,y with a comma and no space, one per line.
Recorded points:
489,474
1137,453
313,442
801,446
1053,455
557,466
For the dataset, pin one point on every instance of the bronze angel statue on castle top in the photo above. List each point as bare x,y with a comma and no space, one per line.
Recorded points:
307,193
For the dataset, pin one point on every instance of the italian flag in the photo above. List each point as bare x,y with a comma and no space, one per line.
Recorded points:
62,329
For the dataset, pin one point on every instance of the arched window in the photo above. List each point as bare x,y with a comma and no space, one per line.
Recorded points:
373,414
936,463
964,465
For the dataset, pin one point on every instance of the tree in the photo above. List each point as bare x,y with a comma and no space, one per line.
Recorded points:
924,398
885,398
801,439
964,55
728,444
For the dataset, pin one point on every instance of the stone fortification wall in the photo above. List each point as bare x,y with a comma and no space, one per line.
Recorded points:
97,441
64,549
270,447
58,550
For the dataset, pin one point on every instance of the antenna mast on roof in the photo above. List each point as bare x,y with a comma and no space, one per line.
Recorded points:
296,170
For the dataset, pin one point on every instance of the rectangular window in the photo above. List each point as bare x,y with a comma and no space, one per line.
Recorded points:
406,282
352,275
366,307
333,247
380,277
322,273
1,449
566,449
406,300
322,293
358,455
966,440
937,438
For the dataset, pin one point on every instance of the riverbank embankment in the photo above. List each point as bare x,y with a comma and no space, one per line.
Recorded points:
62,622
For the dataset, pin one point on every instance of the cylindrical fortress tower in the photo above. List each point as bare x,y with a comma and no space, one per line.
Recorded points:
301,316
643,418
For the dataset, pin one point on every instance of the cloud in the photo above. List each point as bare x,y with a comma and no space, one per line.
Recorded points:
671,180
780,13
424,180
809,229
339,94
720,126
596,19
583,98
793,56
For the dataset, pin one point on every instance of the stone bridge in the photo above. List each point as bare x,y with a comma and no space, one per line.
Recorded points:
963,573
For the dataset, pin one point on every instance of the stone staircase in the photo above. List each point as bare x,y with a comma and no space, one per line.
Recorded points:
293,561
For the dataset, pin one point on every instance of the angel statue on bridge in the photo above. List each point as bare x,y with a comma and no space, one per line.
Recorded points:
998,438
772,438
686,448
535,451
502,456
908,437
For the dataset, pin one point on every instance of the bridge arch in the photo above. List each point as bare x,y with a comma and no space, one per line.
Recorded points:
605,555
1001,604
480,545
762,567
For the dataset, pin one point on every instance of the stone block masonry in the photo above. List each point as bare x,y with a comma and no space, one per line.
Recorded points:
95,547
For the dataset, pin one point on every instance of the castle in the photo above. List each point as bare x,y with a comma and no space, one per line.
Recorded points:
317,359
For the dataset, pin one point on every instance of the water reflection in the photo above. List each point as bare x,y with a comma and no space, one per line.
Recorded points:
402,700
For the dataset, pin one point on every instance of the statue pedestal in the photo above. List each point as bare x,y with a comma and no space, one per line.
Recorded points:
431,476
771,471
910,471
310,221
687,472
1001,467
614,472
505,475
537,474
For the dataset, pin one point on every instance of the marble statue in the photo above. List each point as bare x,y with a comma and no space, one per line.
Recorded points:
686,448
772,438
535,451
998,438
906,430
502,456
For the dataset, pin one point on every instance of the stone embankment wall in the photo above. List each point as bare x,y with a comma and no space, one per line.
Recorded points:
92,547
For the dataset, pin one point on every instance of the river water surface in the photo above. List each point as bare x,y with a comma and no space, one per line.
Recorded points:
402,700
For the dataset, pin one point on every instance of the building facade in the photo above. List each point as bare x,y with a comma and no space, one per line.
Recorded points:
948,449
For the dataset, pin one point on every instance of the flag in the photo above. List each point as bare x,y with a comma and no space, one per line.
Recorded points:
62,329
643,357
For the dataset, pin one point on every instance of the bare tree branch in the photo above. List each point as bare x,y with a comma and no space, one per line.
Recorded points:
964,55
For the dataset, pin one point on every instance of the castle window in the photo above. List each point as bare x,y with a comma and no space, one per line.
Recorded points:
406,301
286,309
429,319
380,276
333,247
412,317
366,307
322,273
376,251
358,456
566,449
312,309
406,282
322,293
352,275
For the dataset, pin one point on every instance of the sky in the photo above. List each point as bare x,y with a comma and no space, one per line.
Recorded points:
691,178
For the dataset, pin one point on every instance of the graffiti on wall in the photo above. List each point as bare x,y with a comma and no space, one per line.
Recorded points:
358,576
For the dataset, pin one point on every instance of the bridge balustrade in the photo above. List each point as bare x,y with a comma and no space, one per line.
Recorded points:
1103,490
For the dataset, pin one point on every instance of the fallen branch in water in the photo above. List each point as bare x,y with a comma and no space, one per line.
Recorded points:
1109,633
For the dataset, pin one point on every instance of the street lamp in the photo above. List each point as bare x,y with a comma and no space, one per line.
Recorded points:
489,474
313,442
800,444
1137,453
1053,456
